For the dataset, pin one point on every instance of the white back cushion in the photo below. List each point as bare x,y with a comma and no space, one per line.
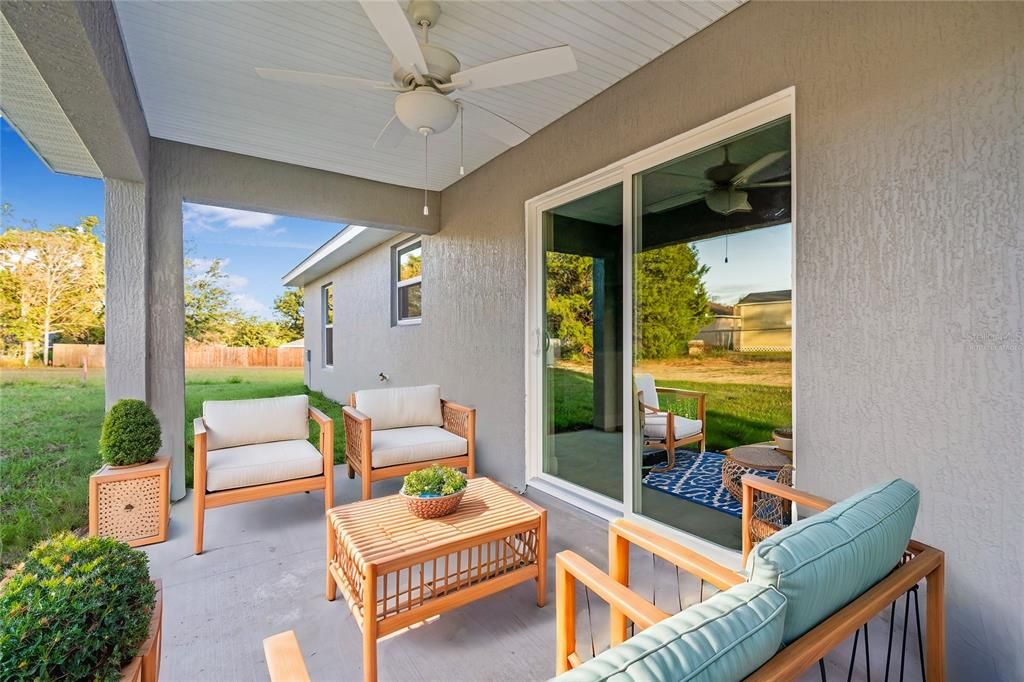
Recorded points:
397,408
645,383
230,423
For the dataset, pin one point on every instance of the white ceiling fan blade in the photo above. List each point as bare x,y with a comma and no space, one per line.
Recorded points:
320,79
524,67
674,202
391,135
494,125
753,169
393,26
773,183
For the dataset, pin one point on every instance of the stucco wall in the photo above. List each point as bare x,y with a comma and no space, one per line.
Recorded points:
125,250
909,157
181,172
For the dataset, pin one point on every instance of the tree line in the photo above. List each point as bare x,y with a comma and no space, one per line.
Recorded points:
672,303
211,316
52,288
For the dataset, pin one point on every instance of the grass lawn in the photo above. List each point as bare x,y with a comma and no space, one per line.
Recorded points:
737,414
49,426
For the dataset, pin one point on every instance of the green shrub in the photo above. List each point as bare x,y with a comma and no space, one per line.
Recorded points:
130,435
433,481
77,609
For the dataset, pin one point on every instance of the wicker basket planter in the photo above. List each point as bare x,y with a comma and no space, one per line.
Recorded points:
432,507
131,504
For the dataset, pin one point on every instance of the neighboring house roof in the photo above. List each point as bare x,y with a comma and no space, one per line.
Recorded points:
719,309
297,343
352,241
767,297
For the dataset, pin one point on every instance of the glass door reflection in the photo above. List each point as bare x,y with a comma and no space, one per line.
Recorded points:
583,342
712,326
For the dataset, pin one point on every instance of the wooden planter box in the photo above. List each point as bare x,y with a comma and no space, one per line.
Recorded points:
131,504
146,666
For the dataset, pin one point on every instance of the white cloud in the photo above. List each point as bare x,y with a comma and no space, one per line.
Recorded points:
250,305
235,284
202,218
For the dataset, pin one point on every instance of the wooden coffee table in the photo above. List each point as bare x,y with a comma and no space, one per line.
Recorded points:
395,569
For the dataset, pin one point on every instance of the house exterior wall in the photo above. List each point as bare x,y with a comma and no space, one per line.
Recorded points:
765,326
908,201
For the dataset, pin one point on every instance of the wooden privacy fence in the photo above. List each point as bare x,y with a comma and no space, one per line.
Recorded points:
72,355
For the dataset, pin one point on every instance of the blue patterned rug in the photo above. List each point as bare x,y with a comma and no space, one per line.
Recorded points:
697,477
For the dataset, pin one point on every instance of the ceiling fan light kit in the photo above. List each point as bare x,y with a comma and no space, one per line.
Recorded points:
426,75
426,111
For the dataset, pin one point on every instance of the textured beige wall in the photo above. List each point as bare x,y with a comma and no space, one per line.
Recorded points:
909,160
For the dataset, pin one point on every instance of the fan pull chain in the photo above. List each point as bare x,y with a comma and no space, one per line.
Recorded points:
462,138
726,248
426,150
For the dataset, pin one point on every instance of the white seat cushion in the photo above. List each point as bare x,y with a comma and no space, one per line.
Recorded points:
230,423
397,408
654,426
414,444
248,465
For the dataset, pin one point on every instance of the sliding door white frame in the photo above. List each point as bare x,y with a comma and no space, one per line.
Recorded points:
767,110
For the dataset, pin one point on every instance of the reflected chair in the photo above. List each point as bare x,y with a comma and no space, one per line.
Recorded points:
664,428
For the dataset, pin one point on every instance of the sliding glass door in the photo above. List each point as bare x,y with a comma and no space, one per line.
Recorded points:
582,342
660,327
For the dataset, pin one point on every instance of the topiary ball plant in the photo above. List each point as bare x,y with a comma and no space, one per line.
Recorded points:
77,609
130,435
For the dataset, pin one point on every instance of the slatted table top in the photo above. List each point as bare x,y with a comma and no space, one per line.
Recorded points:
383,529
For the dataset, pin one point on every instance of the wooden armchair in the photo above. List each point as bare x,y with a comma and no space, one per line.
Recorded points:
253,449
662,427
921,563
393,431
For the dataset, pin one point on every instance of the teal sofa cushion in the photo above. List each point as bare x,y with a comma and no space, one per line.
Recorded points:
726,637
824,562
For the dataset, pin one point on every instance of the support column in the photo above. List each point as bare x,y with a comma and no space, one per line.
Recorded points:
126,251
166,309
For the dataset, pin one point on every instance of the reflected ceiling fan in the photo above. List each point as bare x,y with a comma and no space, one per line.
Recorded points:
725,185
426,76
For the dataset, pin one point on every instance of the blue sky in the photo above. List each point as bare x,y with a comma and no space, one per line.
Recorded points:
759,260
257,248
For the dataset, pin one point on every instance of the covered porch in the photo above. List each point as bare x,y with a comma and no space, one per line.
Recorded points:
907,278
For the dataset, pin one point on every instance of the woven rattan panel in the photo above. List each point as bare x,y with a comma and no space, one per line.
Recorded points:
130,509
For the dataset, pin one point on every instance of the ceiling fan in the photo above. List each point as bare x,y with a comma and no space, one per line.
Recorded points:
426,75
725,185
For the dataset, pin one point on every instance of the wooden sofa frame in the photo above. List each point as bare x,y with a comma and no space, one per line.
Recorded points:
924,563
457,419
221,498
671,442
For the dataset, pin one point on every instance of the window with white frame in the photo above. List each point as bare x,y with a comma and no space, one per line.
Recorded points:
407,282
327,315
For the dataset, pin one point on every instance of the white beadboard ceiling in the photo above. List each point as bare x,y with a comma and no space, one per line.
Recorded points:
194,64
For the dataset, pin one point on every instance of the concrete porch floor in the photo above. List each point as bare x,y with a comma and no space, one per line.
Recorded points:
262,572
